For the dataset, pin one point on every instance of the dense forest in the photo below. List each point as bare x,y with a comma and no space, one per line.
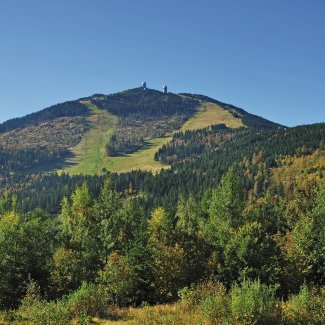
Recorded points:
185,145
13,160
148,102
229,256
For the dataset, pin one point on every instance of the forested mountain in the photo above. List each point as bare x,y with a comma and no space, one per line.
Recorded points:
46,139
230,230
192,176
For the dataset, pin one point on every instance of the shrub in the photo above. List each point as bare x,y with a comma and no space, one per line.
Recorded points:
45,313
89,299
253,303
307,307
211,299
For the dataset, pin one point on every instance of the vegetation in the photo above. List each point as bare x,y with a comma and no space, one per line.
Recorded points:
232,233
149,102
256,153
60,133
76,136
248,119
211,114
71,108
89,156
185,145
231,256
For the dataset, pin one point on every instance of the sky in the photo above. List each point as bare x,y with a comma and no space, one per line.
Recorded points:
267,57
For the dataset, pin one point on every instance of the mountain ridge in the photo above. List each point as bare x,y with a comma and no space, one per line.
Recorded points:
72,108
118,132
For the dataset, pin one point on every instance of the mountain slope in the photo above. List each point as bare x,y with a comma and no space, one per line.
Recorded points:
118,132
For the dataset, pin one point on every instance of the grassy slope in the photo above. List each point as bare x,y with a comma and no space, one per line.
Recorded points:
210,114
90,156
142,159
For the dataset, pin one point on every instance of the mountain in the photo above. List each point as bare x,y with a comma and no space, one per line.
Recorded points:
118,132
235,214
191,139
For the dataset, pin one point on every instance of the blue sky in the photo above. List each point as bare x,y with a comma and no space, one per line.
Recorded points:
267,57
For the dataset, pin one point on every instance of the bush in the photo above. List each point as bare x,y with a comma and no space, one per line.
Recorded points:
89,300
211,299
253,303
307,307
45,313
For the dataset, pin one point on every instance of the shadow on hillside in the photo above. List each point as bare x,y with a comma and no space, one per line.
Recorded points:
147,145
57,165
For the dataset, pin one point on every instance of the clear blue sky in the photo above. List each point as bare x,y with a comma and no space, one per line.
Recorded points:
267,57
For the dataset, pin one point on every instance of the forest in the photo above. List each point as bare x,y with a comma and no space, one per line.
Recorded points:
193,176
231,255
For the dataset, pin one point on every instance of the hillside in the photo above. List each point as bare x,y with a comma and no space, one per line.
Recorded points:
118,132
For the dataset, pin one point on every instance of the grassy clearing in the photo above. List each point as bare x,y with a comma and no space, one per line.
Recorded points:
210,114
142,159
89,156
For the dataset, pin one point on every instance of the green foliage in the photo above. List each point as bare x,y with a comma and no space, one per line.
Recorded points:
211,299
307,307
65,271
32,295
319,232
80,232
192,143
25,250
270,213
7,203
89,299
80,306
118,278
252,253
226,208
168,258
236,233
252,303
